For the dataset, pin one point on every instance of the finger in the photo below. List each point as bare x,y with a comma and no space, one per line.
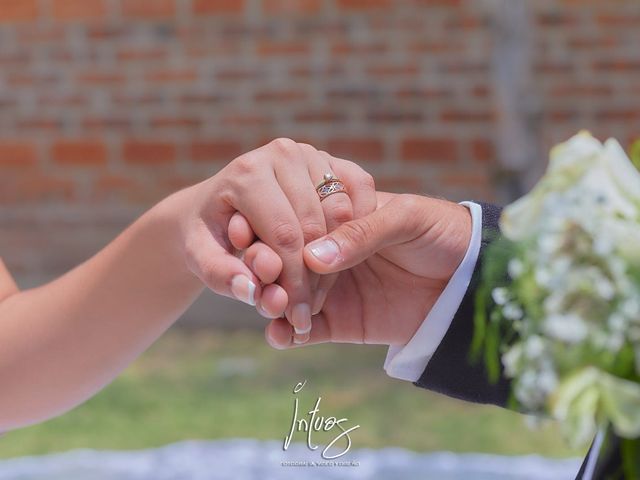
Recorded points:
360,184
353,242
240,232
337,210
219,270
279,333
273,301
272,218
264,262
297,184
305,201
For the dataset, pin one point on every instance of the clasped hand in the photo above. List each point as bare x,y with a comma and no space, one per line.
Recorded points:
358,267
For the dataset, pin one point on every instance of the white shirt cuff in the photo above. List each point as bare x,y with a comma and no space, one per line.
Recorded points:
408,362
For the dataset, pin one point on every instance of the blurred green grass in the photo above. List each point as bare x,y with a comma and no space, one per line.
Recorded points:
209,384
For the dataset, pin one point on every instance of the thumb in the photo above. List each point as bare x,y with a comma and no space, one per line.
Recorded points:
355,241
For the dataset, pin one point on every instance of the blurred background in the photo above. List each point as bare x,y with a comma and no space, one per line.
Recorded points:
107,106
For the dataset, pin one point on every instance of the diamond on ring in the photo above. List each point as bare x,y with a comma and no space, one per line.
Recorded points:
329,186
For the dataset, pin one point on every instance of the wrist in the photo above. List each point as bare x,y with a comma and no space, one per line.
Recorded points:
168,223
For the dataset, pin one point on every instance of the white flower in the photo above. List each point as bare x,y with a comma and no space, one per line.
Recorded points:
548,381
500,295
617,322
512,311
590,169
515,267
511,360
569,328
534,347
631,308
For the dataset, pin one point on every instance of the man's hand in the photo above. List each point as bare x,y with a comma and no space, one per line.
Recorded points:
393,264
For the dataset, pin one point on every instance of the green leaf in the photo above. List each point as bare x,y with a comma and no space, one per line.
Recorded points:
630,449
634,153
479,323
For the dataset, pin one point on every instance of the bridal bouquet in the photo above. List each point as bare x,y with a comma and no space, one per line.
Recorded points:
559,299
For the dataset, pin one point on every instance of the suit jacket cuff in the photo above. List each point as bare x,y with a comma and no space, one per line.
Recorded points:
450,370
409,361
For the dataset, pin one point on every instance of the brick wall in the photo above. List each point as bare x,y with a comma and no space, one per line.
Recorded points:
106,106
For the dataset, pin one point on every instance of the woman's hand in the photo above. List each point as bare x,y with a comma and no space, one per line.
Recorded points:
393,264
65,340
274,190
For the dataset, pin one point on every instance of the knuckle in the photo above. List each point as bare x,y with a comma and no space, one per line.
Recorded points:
408,206
210,277
246,164
407,201
312,229
358,232
287,237
341,212
308,149
367,181
285,147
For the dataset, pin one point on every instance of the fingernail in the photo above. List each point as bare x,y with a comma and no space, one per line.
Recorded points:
325,250
300,339
318,301
301,318
244,289
302,331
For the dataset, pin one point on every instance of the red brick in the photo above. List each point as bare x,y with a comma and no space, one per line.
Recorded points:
439,3
618,20
142,152
79,153
399,184
556,19
140,54
79,9
269,48
349,48
287,95
52,125
107,123
148,8
320,116
466,116
215,151
436,46
466,179
620,65
561,115
424,93
172,76
109,186
393,70
18,10
364,4
101,78
357,149
429,150
621,114
464,22
176,122
291,6
573,90
212,7
483,151
39,188
17,154
396,116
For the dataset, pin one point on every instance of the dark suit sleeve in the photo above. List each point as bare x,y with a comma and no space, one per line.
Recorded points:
450,370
